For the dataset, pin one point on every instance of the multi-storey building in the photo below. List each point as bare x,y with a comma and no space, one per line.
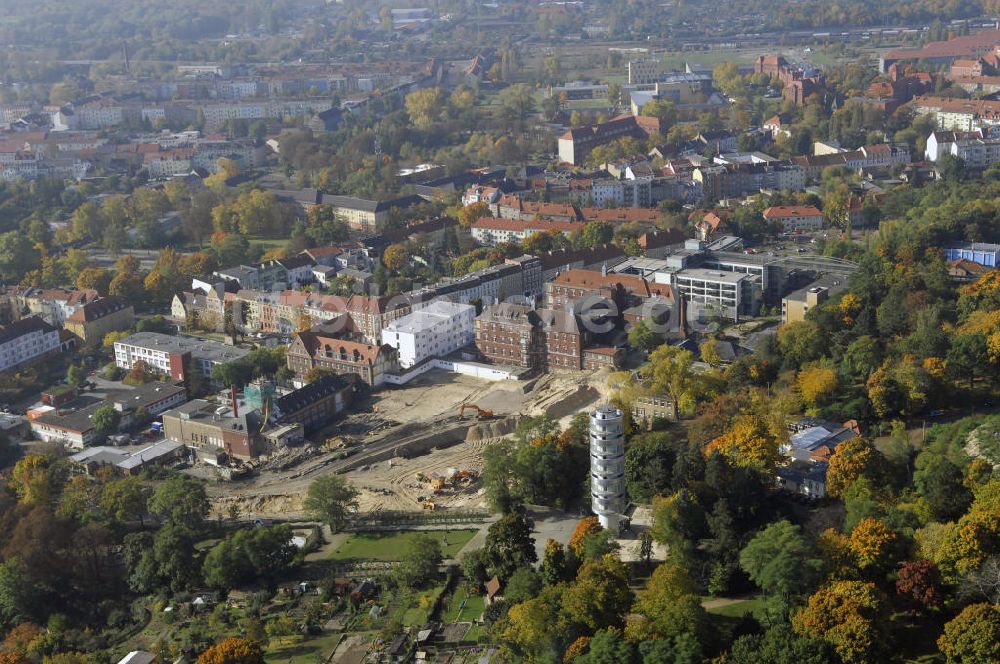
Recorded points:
364,215
795,218
622,193
576,144
492,231
737,180
99,317
508,334
54,305
171,354
432,331
27,340
212,429
514,334
797,304
324,350
727,294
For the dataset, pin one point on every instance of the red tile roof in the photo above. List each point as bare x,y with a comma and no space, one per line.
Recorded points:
784,211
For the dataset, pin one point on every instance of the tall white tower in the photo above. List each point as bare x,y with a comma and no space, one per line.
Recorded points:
607,465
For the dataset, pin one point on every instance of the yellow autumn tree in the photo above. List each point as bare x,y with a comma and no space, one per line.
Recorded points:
816,384
30,480
852,460
234,650
749,444
850,616
873,544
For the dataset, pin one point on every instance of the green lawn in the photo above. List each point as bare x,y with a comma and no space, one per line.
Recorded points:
455,612
295,650
389,546
737,609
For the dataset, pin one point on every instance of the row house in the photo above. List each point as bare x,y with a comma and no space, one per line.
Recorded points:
868,157
513,207
959,114
287,311
492,231
738,180
519,277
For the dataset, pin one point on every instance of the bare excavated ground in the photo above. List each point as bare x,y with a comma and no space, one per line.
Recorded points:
427,404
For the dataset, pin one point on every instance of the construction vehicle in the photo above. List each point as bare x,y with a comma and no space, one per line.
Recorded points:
481,413
428,505
438,485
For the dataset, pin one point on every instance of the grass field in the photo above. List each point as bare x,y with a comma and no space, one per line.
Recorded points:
738,608
390,546
295,650
455,612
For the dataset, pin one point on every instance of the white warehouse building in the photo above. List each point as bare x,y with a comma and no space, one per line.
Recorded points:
434,331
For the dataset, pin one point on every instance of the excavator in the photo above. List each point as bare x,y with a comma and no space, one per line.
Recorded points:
481,413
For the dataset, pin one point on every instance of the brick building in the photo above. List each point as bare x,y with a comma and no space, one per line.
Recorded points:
317,348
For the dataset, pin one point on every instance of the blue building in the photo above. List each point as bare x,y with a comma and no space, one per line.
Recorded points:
977,252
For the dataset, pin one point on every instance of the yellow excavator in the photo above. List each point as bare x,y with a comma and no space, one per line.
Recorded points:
481,413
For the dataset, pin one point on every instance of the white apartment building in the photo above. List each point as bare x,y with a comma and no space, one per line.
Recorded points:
167,354
167,165
795,218
622,193
492,231
434,331
25,340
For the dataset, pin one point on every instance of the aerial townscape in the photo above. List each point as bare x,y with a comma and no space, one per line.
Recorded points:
544,332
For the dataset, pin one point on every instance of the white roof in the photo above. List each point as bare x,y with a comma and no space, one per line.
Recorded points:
429,316
138,657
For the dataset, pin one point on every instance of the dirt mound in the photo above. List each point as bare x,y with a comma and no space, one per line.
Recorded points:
492,429
274,505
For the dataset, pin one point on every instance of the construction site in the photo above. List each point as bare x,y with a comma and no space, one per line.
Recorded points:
416,448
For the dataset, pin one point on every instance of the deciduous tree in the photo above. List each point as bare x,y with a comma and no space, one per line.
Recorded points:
782,562
332,500
234,650
849,615
973,635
